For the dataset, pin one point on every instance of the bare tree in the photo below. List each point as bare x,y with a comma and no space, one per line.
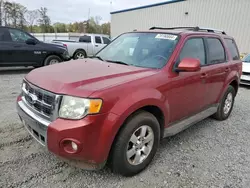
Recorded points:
44,20
31,16
7,6
21,16
1,12
14,14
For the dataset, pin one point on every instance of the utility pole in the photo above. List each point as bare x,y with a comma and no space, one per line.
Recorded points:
87,28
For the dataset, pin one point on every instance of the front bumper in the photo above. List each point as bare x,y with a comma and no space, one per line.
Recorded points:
35,125
66,56
94,134
245,79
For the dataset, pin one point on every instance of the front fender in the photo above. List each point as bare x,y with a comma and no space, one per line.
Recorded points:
138,99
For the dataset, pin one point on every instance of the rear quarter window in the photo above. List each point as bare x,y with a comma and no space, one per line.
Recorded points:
85,38
233,49
216,51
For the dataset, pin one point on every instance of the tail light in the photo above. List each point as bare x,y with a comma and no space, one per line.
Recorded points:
65,45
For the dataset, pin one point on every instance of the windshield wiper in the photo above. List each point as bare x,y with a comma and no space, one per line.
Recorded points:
98,57
118,62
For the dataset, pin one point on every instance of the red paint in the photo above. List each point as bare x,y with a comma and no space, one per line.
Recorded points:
125,89
189,65
19,98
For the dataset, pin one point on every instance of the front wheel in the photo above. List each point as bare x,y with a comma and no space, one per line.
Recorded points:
51,60
226,105
136,144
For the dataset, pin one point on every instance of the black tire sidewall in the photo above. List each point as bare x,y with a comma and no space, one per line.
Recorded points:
51,57
119,160
80,51
222,114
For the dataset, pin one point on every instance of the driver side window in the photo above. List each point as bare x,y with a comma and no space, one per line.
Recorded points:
193,48
18,36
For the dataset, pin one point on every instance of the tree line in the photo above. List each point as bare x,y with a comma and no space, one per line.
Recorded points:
38,21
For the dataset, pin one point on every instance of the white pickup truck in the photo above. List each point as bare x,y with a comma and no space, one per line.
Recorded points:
86,45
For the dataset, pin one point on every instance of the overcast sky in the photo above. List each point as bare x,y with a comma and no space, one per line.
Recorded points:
77,10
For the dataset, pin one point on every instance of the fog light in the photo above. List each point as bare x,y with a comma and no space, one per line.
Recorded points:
71,146
74,146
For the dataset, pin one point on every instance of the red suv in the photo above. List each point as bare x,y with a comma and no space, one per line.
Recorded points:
116,106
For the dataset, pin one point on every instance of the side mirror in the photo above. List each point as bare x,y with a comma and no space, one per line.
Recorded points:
189,65
31,42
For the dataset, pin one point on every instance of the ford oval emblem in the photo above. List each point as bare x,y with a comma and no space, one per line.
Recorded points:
33,98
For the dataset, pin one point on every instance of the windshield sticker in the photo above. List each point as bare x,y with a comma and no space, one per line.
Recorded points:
166,36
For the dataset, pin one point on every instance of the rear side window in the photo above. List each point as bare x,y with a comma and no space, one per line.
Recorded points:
1,34
194,48
4,35
216,51
233,49
105,40
98,40
85,38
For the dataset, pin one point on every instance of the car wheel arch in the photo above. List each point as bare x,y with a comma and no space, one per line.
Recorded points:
156,105
153,109
235,85
233,81
79,49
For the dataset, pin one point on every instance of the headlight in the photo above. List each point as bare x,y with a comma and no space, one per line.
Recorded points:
77,108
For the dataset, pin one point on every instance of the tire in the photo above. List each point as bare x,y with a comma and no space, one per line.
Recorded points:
128,166
52,59
79,54
224,112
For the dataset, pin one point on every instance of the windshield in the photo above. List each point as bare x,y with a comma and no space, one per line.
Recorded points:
247,59
149,50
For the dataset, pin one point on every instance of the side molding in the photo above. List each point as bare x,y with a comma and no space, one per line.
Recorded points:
181,125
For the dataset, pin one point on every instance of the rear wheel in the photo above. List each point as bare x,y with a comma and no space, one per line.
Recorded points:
136,144
80,54
52,59
226,105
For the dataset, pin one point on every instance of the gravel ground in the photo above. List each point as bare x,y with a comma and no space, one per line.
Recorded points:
209,154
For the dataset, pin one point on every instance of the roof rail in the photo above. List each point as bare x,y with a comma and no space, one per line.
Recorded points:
192,29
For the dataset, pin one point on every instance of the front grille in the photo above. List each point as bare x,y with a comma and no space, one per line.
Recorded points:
246,73
40,100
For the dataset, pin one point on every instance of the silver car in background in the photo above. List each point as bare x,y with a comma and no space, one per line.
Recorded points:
86,45
245,77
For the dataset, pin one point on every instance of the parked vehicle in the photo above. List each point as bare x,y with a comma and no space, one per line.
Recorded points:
242,55
142,87
245,77
19,48
86,46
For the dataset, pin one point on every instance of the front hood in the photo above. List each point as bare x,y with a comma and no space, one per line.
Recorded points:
245,67
55,45
83,77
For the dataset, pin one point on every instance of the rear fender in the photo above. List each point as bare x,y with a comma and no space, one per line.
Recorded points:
231,77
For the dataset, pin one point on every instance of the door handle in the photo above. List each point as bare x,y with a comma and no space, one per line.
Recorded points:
227,69
96,45
203,75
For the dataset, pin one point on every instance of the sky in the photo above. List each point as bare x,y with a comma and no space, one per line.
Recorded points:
78,10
